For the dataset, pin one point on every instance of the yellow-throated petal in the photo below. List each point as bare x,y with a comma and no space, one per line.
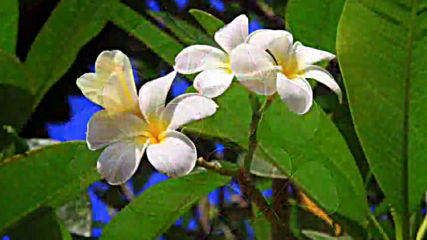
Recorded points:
152,95
119,161
105,128
175,156
186,108
108,62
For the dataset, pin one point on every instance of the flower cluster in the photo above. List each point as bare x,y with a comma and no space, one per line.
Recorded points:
265,62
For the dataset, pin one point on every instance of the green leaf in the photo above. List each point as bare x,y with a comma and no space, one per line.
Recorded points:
208,21
156,209
42,224
160,42
381,48
71,25
183,30
44,177
308,148
313,153
9,16
315,22
322,236
231,121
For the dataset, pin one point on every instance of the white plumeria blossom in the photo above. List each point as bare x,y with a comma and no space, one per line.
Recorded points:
270,62
213,63
131,125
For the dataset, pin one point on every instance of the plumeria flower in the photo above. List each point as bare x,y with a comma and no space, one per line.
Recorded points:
130,125
269,62
213,63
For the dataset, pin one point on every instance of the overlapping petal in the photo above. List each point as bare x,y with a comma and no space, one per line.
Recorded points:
176,155
277,42
309,55
105,128
232,34
255,68
152,95
212,83
197,58
108,62
186,108
296,93
119,161
119,94
324,77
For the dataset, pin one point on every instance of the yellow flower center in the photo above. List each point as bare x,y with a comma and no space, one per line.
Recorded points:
156,131
291,68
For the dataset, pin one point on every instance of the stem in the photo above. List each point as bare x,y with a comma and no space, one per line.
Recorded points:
217,168
247,187
422,230
281,206
378,226
257,112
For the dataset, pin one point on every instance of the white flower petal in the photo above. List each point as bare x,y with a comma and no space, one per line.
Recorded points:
212,83
250,60
324,77
311,55
197,58
108,62
91,87
119,161
105,128
278,42
296,93
263,83
176,155
119,94
152,95
233,34
255,68
186,108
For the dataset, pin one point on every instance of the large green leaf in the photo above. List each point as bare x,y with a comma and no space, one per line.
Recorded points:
41,224
312,152
382,52
308,148
71,25
44,177
315,22
158,41
154,211
9,16
208,21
